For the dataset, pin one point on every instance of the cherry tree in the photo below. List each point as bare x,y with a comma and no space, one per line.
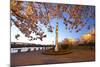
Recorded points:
26,16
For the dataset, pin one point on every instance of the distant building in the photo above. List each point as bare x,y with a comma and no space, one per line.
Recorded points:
89,37
69,41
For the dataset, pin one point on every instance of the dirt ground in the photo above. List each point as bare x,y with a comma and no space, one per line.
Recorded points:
35,58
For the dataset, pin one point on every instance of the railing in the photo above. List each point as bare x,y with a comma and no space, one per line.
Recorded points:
28,49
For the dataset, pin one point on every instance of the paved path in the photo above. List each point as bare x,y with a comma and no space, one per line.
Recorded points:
34,58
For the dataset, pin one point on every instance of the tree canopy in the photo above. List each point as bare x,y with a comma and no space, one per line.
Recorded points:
26,16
